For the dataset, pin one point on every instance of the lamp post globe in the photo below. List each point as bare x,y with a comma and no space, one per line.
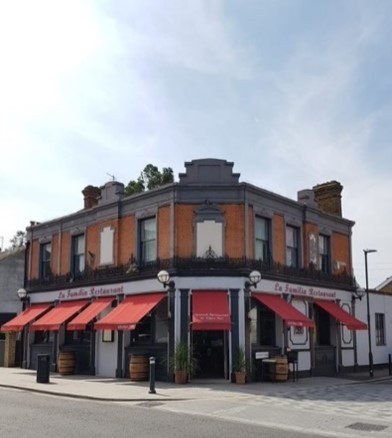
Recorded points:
163,277
254,277
22,293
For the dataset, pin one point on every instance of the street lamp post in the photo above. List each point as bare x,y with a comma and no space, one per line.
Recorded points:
253,279
22,295
366,252
167,282
358,294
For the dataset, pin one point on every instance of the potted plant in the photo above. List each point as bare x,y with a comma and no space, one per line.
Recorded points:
239,366
183,363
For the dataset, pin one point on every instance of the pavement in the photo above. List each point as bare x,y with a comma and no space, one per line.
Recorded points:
351,405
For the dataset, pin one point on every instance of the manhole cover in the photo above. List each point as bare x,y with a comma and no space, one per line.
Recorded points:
367,427
148,404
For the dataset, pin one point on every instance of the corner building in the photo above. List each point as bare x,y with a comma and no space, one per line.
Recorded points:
93,290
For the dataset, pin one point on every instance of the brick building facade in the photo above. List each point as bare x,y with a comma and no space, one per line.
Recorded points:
209,231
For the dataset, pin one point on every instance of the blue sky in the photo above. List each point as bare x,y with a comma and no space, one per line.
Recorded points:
295,93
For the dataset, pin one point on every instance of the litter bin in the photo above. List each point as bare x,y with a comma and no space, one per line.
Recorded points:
43,368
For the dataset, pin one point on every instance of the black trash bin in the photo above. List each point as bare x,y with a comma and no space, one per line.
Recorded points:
43,368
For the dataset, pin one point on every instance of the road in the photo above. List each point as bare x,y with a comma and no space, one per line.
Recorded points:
29,415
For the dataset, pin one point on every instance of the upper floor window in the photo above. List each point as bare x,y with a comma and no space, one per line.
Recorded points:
292,246
45,259
380,328
148,240
78,257
324,254
262,239
209,231
107,246
209,239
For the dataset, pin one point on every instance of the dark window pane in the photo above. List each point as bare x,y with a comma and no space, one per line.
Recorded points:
262,239
148,235
292,249
267,326
78,256
324,254
45,259
380,328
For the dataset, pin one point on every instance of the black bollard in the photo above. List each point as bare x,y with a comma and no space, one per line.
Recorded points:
389,364
152,375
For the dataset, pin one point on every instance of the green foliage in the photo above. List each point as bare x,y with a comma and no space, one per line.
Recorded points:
239,361
149,179
183,359
18,241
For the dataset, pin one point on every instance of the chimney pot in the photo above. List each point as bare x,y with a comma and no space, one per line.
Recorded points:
328,197
91,195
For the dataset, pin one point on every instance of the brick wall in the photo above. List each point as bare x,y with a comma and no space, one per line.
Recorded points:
65,258
35,260
126,239
235,230
164,233
184,239
279,238
54,261
251,233
341,252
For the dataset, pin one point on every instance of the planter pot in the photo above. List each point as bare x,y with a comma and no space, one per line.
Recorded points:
240,377
180,377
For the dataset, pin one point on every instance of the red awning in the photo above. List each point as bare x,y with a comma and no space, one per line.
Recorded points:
341,315
210,310
290,315
89,313
128,313
16,324
58,315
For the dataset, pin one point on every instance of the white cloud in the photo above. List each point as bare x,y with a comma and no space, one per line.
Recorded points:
99,87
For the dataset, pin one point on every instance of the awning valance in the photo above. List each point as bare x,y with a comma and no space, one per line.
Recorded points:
210,310
58,315
290,315
16,324
341,315
89,313
128,313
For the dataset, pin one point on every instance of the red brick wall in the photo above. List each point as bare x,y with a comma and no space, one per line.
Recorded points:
235,230
251,232
34,260
126,238
54,261
183,234
341,251
66,243
279,241
164,233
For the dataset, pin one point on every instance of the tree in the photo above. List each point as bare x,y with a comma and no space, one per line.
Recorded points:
18,241
149,179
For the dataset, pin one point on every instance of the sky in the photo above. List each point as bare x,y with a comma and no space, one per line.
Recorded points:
294,92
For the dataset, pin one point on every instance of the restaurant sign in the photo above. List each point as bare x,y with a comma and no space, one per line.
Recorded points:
282,287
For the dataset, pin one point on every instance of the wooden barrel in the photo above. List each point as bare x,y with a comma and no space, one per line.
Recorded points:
281,369
66,363
139,368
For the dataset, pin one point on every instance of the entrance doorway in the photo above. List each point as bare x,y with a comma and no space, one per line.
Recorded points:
324,350
209,350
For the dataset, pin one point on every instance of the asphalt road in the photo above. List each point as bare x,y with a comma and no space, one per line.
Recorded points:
29,415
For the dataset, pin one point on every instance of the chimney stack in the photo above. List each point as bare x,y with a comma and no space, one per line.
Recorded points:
91,195
328,197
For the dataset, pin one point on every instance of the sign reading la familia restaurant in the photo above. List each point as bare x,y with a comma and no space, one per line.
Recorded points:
282,287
